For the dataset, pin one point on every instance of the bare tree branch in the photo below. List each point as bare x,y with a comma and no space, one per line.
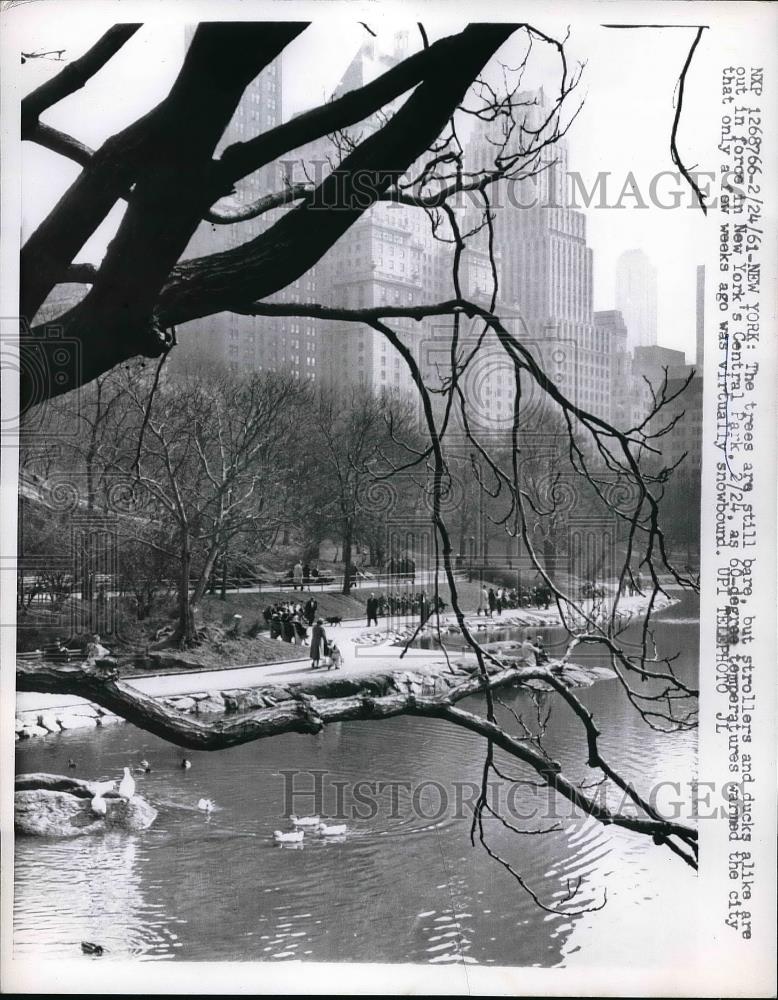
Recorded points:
75,75
60,142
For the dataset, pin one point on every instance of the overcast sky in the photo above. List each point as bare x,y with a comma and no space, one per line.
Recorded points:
629,82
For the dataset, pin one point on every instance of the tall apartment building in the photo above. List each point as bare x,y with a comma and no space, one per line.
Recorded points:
612,330
547,269
636,297
657,364
390,256
384,258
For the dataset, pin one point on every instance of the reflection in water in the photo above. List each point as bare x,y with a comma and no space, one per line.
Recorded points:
404,884
87,889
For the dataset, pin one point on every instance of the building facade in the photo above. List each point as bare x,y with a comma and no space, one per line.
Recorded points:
636,297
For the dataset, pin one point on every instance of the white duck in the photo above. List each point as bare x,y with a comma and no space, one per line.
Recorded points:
295,837
332,831
206,805
305,820
99,805
99,788
127,785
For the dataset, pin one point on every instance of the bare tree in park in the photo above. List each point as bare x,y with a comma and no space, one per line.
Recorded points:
353,435
164,166
212,458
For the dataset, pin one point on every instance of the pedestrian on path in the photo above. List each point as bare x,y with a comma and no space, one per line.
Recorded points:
372,610
424,609
318,643
310,610
297,576
492,601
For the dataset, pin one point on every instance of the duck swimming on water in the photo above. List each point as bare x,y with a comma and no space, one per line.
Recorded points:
185,763
332,831
295,837
305,820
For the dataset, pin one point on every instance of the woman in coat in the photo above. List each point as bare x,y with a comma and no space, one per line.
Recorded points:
318,643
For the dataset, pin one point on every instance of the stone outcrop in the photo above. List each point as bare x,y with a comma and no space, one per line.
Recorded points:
50,805
54,721
75,721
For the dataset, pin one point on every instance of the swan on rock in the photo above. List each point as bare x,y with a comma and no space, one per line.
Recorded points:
101,787
127,785
99,805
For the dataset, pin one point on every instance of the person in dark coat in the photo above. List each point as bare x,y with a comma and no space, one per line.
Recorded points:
492,597
310,610
541,656
372,610
287,631
300,631
318,643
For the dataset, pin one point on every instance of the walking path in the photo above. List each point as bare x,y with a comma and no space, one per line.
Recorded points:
364,650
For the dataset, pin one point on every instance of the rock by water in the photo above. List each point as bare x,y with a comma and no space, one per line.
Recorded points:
50,805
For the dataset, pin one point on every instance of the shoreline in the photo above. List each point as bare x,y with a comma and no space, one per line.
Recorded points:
375,652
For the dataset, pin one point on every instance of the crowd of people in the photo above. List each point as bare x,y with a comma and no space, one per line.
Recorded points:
290,620
496,600
403,603
301,575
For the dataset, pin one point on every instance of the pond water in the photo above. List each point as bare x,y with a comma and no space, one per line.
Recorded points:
403,885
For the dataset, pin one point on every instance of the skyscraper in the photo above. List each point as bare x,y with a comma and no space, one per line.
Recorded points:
390,256
612,329
546,272
636,297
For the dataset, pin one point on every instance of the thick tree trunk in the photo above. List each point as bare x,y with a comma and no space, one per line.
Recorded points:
347,538
202,580
223,594
186,627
